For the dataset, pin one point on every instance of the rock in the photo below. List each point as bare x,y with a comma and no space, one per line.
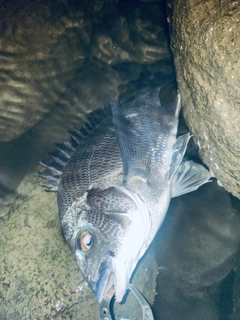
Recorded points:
39,54
205,43
132,35
198,247
37,279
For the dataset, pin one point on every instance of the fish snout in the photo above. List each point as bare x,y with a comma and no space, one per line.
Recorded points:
112,280
104,286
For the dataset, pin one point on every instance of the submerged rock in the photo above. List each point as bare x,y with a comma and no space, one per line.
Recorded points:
206,44
201,248
39,54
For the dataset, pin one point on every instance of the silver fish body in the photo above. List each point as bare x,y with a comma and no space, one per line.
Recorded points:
115,188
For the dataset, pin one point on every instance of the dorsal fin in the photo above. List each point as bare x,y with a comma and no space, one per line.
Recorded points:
54,167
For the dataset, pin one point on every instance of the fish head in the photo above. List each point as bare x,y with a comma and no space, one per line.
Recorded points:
106,245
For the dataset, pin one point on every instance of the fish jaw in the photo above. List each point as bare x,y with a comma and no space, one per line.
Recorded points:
122,276
104,287
112,277
112,280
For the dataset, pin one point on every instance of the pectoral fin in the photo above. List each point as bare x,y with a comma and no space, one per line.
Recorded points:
133,145
188,177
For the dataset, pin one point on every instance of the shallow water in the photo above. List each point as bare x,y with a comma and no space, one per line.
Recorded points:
191,269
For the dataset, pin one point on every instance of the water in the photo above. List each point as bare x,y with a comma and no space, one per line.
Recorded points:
85,56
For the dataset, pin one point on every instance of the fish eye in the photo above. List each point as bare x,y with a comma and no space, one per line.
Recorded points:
84,241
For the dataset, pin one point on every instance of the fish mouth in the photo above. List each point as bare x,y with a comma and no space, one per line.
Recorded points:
105,285
109,283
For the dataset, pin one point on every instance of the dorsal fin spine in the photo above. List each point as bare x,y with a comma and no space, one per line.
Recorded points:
65,149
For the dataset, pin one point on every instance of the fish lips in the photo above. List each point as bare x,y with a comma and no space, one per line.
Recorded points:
110,282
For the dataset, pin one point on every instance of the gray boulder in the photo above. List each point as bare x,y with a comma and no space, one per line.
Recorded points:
205,43
40,52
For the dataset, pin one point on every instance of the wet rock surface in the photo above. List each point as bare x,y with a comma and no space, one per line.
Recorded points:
39,54
206,48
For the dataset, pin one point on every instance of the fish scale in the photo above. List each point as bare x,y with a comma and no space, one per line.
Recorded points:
100,159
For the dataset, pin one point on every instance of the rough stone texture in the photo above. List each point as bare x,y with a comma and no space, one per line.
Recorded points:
206,47
132,36
44,44
39,278
39,54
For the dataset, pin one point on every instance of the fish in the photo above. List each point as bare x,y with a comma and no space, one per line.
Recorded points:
114,180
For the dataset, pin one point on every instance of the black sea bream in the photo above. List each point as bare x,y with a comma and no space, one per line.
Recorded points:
114,181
